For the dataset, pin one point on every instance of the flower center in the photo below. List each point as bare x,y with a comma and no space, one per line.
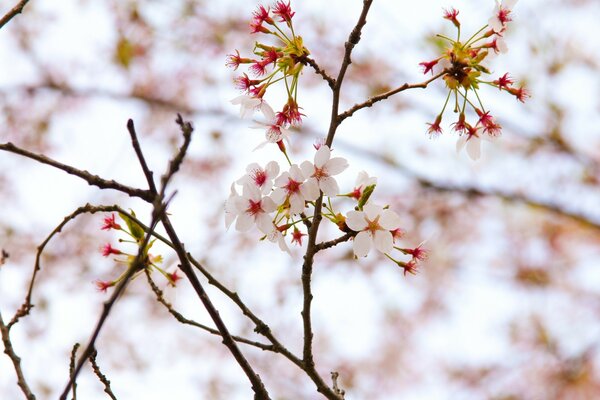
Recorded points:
259,177
254,207
292,186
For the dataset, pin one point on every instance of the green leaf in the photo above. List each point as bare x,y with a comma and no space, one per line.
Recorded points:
365,196
134,228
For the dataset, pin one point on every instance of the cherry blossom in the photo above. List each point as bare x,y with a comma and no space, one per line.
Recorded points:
249,209
322,170
374,225
109,223
293,188
471,139
274,132
501,15
363,180
261,178
249,104
276,236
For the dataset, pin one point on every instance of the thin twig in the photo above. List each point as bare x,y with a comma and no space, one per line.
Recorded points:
17,9
10,352
138,152
87,209
307,60
136,265
383,96
179,317
72,368
101,376
260,392
335,242
91,179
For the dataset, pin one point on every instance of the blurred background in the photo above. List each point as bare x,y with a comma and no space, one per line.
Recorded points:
505,307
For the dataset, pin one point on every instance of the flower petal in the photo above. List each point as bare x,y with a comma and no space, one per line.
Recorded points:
474,148
336,165
329,186
308,169
383,241
244,222
322,156
310,190
389,220
372,211
362,244
356,220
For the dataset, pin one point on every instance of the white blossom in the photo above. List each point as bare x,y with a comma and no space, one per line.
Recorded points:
373,225
251,208
323,169
293,187
249,104
498,21
260,177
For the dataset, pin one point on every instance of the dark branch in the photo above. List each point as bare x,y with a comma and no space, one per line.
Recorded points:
335,242
17,9
383,96
93,180
101,376
10,352
142,160
309,61
72,368
179,317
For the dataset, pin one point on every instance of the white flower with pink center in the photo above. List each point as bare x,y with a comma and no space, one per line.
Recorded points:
363,180
501,15
274,132
249,104
374,225
251,208
260,177
321,172
293,187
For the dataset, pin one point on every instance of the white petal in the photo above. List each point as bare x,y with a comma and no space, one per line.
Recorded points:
296,204
278,195
272,169
268,205
460,143
264,223
322,156
310,190
372,211
251,192
267,111
282,179
356,220
308,169
362,244
495,24
296,173
244,222
389,220
329,186
336,165
474,148
509,4
383,241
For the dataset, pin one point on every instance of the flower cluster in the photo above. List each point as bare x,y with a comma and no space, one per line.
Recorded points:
277,202
462,67
272,63
136,236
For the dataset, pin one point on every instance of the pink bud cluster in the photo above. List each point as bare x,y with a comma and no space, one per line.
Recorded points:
272,63
136,236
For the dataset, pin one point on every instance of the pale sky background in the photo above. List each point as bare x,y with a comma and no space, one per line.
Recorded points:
91,140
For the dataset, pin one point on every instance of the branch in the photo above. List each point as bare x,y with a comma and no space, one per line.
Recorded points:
93,180
335,242
138,152
307,60
137,265
101,376
17,9
383,96
10,352
72,368
179,317
260,392
87,209
353,40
